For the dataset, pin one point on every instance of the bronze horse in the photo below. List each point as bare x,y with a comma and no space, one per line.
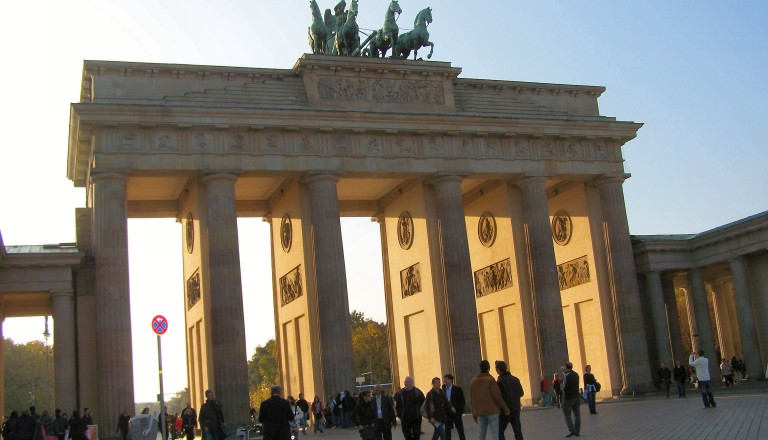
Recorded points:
318,32
415,39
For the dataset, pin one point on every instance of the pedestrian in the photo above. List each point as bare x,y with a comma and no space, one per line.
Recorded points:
76,426
736,370
743,369
189,421
87,417
511,391
304,406
408,403
592,388
701,364
317,410
11,427
123,425
487,402
212,418
726,370
557,387
26,429
455,396
546,396
436,409
275,415
60,424
364,417
571,400
386,416
680,374
664,376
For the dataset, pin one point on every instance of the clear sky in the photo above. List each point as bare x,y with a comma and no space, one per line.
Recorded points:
694,72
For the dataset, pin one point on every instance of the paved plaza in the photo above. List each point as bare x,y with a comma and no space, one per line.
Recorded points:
739,415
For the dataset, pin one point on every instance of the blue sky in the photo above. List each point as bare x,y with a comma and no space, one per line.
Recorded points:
694,72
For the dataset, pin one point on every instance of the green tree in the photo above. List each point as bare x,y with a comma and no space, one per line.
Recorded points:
28,372
262,372
370,348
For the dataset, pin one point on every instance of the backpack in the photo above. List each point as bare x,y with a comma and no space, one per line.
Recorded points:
597,387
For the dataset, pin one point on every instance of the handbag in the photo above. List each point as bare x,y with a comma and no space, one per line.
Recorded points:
597,386
423,409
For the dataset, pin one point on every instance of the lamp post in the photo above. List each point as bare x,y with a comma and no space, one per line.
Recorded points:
47,351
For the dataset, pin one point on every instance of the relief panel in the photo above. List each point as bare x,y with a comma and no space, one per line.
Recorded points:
573,273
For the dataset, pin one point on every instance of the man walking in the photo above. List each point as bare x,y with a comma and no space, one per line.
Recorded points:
665,378
408,405
701,364
487,403
384,407
571,400
455,396
275,415
511,392
211,417
681,377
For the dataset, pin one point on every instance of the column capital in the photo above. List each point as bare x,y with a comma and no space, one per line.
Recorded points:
108,176
443,178
62,294
378,218
218,176
738,259
319,176
530,179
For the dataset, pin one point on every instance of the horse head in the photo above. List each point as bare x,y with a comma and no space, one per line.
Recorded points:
394,8
423,17
315,9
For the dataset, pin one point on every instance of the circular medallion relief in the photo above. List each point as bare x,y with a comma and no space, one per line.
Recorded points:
562,228
286,233
486,229
405,230
189,227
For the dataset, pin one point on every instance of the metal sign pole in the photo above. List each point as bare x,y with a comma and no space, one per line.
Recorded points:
163,427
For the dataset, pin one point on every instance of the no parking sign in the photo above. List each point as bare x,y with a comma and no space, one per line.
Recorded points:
159,324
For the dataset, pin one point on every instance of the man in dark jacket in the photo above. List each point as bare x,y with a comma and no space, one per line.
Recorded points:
512,392
386,418
455,396
408,404
211,417
364,417
275,415
571,400
437,408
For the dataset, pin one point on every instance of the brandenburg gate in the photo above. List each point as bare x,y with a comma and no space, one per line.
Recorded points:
503,227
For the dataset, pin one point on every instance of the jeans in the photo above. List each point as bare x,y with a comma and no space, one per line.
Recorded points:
512,419
439,432
485,422
680,388
706,393
591,400
208,435
345,421
546,398
572,406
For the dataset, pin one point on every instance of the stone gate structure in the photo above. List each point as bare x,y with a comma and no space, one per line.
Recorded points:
500,204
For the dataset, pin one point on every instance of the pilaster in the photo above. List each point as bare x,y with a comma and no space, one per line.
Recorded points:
658,312
746,319
704,340
633,350
553,346
457,272
673,319
227,325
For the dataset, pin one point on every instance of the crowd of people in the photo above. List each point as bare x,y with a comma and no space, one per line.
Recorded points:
46,426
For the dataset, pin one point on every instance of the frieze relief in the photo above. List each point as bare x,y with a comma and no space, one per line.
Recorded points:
291,286
493,278
410,280
331,88
356,144
573,273
193,290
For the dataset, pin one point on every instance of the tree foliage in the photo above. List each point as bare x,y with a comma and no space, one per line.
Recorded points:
28,370
370,348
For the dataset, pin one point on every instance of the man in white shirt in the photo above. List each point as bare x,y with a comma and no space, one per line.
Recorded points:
701,364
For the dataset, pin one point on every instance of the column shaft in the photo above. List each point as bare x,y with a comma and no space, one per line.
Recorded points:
457,272
705,340
2,367
64,351
673,317
746,319
331,282
113,305
659,314
633,350
548,306
227,324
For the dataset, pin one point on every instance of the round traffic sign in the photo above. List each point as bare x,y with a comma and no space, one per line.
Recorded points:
159,324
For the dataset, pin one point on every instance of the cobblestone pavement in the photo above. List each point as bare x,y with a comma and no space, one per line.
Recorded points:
741,415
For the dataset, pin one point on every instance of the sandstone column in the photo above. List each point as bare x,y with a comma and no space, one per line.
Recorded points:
113,305
550,324
331,284
457,273
746,319
2,366
673,317
659,314
704,341
633,350
230,381
64,351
